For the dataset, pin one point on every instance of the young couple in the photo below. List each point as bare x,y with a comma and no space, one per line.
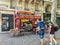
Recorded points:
41,25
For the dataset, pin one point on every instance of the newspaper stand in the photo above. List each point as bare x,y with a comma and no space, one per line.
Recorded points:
17,21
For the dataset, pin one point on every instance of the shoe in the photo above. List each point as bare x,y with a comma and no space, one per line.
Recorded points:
50,43
55,43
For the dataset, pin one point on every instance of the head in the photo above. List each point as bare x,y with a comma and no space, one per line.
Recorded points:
51,23
38,20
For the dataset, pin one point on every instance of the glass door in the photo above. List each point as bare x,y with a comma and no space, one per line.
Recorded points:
7,22
5,25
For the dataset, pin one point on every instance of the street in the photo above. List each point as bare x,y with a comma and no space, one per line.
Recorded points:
21,19
30,39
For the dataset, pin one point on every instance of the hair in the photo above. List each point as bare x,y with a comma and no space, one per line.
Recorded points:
52,23
39,19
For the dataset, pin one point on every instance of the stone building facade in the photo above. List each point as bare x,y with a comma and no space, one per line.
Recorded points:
38,7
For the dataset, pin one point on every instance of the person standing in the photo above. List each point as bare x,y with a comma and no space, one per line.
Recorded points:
52,32
41,25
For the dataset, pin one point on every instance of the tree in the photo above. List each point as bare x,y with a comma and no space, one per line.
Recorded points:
53,11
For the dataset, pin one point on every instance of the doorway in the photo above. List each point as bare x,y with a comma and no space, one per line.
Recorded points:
7,22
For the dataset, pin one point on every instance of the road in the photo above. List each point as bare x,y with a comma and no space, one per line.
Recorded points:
30,39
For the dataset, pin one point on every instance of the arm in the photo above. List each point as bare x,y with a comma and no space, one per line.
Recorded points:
49,29
45,27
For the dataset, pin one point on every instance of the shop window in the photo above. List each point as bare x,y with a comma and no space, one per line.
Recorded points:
7,23
58,20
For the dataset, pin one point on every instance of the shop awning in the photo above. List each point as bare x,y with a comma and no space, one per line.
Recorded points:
28,13
20,12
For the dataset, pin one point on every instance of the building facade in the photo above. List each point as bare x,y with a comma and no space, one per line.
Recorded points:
38,7
48,11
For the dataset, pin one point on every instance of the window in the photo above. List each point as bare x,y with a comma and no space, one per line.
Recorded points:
58,20
48,8
2,6
36,7
13,4
58,2
32,2
26,5
20,1
4,0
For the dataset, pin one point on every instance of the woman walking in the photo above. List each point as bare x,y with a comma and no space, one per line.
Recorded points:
52,32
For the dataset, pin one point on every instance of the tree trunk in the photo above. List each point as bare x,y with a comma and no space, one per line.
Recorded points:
53,12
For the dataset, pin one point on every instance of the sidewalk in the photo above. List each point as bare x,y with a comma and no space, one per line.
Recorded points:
57,36
5,32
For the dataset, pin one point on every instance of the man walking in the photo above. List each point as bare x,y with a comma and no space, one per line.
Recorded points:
41,25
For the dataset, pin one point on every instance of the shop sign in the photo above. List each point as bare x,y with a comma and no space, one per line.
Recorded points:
5,17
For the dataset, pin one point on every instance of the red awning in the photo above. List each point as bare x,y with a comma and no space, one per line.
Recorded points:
20,12
28,13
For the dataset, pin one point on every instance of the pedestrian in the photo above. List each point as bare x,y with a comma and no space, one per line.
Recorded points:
41,25
37,29
46,29
52,32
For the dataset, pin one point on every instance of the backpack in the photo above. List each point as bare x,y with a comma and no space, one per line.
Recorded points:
56,28
42,25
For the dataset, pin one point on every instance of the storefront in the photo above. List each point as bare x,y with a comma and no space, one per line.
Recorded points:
6,20
24,19
58,20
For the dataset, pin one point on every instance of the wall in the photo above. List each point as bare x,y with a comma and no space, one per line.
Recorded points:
0,22
5,2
